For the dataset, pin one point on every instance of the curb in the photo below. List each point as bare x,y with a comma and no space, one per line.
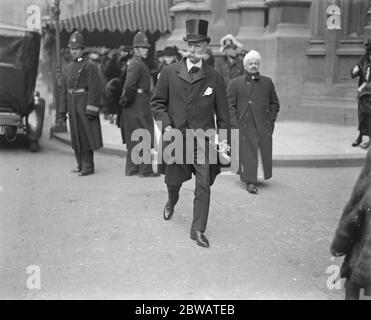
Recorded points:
309,161
319,161
105,150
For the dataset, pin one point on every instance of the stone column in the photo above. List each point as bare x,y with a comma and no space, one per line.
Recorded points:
367,30
183,10
289,17
249,16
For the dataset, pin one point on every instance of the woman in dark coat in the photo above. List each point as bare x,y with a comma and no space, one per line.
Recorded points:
364,105
253,105
353,237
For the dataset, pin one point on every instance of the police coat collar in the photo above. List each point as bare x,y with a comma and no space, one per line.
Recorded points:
82,57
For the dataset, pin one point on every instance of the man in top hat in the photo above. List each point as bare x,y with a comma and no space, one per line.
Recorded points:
230,65
81,94
364,110
191,95
135,100
254,105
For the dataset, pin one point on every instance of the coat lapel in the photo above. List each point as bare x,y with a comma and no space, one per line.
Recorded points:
202,74
183,72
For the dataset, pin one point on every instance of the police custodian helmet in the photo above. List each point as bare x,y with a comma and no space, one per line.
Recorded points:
140,40
76,41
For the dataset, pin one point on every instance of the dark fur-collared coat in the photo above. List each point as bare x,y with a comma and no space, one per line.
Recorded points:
353,234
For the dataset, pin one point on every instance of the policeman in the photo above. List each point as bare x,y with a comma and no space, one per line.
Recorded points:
81,93
135,100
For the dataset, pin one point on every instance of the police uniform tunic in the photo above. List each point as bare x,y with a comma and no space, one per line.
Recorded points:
81,92
136,113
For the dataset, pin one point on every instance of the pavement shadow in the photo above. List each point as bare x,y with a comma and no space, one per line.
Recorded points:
20,143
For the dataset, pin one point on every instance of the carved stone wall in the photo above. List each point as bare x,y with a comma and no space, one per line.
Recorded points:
308,62
331,53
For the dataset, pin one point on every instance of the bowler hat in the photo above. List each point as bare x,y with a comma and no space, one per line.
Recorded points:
76,41
196,30
140,40
169,51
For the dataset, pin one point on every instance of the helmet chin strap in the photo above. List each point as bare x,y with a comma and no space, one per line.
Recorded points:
78,56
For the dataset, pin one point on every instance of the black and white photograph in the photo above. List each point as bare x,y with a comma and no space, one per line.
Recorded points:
201,151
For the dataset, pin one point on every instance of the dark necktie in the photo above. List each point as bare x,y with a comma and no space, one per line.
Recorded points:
193,72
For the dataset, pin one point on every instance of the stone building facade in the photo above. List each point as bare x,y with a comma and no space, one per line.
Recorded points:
308,47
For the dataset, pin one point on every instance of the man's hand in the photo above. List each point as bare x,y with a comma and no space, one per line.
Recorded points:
356,69
224,147
168,159
167,129
62,117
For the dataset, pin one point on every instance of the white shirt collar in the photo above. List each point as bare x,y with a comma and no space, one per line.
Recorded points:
190,64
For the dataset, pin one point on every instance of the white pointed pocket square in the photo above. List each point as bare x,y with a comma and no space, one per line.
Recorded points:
208,91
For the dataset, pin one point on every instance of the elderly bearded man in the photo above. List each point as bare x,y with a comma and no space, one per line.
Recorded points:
191,95
254,105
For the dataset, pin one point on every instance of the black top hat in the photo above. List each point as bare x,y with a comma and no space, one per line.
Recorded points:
367,44
196,30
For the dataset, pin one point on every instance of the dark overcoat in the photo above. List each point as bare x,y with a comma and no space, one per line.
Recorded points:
184,103
253,106
353,234
135,99
86,133
229,70
364,107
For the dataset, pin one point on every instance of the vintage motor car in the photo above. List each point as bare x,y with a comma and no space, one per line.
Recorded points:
21,110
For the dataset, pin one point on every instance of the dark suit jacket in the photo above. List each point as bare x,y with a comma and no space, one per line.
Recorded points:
182,103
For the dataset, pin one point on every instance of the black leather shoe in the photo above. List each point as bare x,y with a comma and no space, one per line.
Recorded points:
148,175
200,238
34,146
356,142
76,170
85,173
168,211
251,188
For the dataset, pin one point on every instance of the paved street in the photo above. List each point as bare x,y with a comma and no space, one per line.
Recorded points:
103,236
